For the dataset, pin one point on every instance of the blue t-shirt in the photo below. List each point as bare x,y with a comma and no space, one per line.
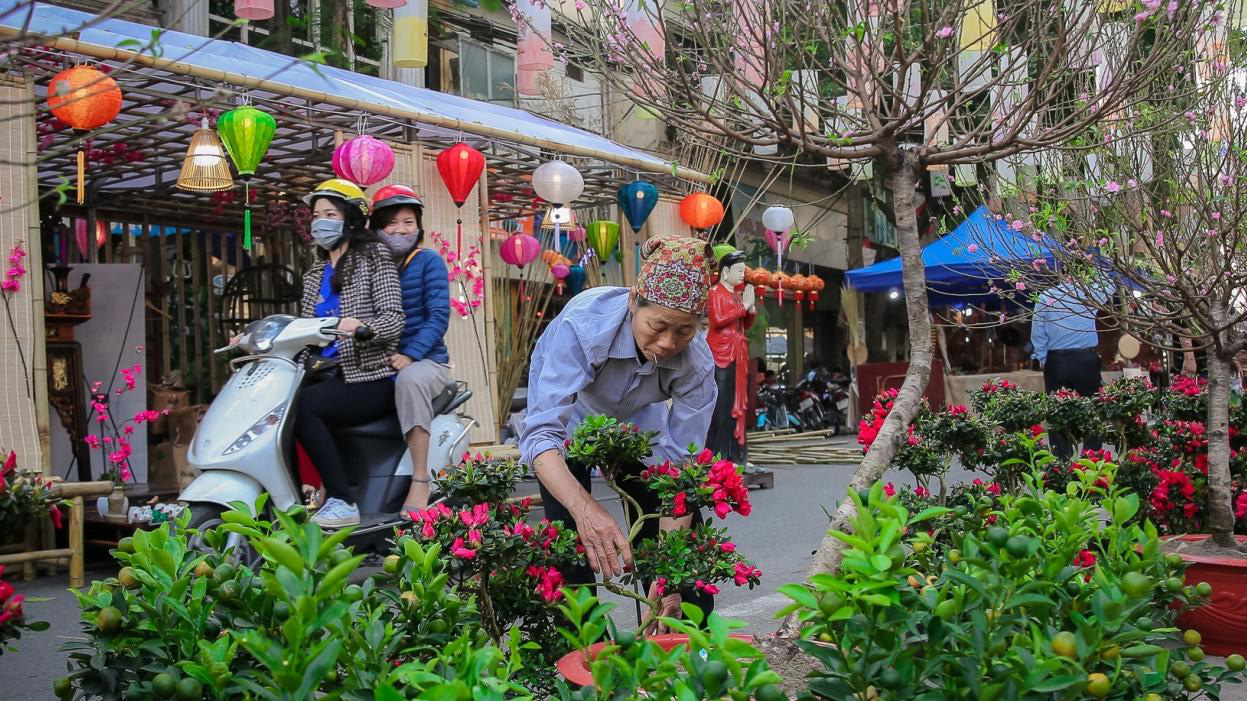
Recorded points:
328,304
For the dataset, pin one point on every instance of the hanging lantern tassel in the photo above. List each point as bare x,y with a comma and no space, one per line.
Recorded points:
246,227
82,174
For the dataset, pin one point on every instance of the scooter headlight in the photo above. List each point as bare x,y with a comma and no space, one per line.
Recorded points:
262,333
257,429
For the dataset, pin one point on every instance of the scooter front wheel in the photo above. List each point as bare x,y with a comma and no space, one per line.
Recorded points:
206,517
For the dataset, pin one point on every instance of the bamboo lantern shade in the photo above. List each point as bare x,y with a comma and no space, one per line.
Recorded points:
205,168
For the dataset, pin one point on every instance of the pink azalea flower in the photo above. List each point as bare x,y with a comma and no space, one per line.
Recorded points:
458,550
1112,186
728,547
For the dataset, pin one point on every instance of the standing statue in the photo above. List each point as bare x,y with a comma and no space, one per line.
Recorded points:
731,313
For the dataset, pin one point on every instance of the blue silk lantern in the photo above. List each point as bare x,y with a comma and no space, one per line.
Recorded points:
575,279
637,199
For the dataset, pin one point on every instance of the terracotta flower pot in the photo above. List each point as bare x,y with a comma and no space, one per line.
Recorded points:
1223,621
574,666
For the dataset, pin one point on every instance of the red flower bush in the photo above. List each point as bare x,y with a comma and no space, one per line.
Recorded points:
25,498
699,482
12,617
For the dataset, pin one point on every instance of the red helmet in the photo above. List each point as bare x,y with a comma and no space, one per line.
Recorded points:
392,195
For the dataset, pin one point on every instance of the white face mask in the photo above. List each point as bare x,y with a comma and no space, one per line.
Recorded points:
327,233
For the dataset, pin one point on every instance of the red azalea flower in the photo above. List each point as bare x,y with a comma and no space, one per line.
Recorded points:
1037,430
660,586
55,514
705,457
708,588
1084,558
889,490
681,506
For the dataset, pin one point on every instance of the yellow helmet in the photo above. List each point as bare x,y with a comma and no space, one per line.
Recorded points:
340,189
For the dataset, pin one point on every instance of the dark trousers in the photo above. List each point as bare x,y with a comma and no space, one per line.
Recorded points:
330,405
648,501
721,438
1078,370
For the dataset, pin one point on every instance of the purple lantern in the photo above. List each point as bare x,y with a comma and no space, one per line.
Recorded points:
364,160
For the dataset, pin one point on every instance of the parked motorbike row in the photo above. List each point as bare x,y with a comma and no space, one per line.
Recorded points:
814,404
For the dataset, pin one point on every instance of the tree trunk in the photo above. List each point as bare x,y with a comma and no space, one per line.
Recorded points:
879,457
1220,494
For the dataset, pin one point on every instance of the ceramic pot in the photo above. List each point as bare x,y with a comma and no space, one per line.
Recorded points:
574,666
1223,620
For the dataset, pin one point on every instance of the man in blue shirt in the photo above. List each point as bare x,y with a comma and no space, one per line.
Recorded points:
638,355
1064,337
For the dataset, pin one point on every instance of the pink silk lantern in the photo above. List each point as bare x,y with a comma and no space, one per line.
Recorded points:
577,234
253,9
364,160
80,235
387,4
777,242
560,271
519,250
532,48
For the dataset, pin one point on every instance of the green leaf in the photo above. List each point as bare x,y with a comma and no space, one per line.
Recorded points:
282,553
800,594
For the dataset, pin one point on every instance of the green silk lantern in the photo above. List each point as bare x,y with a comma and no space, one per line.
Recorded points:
246,133
603,237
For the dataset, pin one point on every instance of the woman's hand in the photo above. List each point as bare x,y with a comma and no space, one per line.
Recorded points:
605,545
668,607
349,324
398,361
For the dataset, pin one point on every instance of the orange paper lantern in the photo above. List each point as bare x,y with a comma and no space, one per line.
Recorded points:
798,283
84,98
701,210
762,277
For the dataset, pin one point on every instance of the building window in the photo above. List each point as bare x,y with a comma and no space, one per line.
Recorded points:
486,74
357,49
575,72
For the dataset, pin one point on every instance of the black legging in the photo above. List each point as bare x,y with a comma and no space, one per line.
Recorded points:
330,405
647,500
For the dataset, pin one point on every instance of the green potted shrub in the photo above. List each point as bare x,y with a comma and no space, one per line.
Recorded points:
1060,595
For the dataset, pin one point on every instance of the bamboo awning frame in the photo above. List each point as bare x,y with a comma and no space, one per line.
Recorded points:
159,93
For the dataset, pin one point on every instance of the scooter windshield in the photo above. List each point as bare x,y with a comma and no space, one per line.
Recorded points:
262,333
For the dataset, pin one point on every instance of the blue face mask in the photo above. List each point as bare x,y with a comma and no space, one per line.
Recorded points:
327,233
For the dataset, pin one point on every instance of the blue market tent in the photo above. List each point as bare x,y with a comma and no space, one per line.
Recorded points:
961,265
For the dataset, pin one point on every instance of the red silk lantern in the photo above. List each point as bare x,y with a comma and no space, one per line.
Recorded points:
519,250
84,98
460,167
701,211
816,285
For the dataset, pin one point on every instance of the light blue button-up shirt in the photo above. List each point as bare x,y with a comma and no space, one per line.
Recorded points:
1064,320
586,363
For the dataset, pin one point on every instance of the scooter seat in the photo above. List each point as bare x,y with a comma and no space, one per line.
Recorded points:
448,399
385,428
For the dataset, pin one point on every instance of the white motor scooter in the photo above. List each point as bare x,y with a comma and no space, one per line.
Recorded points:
245,444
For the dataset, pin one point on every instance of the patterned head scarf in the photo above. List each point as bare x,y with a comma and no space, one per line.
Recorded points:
677,272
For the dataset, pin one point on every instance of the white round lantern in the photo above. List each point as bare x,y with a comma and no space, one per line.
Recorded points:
558,182
778,219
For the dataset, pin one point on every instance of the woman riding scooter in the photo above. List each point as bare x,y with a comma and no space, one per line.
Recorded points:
352,379
421,359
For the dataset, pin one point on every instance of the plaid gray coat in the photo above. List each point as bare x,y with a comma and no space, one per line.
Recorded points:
373,296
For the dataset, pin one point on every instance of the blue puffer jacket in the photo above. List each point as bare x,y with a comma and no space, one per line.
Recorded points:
426,302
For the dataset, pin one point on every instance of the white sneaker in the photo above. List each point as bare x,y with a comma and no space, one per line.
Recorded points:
336,514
